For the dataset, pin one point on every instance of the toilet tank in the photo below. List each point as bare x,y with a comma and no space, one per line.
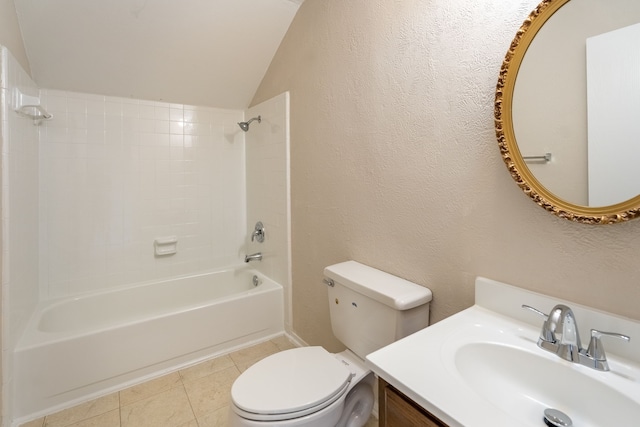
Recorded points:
370,309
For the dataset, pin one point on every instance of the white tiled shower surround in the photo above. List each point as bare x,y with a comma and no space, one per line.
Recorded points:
19,139
117,173
85,194
268,190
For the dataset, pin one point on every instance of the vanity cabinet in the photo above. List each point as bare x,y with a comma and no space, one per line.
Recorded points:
397,410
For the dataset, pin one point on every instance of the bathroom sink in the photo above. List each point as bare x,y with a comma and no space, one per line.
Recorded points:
482,367
525,384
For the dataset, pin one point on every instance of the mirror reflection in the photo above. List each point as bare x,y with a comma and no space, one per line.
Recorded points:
576,101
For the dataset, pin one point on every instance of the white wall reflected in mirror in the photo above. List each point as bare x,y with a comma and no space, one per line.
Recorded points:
613,104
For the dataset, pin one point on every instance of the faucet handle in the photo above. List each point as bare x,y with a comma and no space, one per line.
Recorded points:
258,232
536,311
546,334
596,349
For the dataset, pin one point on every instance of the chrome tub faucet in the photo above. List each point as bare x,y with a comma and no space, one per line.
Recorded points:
253,257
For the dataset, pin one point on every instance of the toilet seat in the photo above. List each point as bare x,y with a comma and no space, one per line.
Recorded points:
290,384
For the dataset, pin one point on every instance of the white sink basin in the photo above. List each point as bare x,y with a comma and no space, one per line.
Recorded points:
525,384
482,367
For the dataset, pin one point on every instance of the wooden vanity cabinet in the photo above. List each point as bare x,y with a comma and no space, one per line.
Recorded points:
397,410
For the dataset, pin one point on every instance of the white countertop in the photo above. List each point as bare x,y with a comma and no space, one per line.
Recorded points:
423,365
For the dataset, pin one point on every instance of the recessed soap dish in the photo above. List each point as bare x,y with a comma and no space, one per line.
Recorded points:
165,245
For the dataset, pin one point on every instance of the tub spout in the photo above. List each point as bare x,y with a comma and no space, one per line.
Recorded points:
253,257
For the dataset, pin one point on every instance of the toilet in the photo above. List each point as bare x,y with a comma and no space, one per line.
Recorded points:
308,386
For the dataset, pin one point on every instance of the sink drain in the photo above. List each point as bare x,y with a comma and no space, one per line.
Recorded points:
555,418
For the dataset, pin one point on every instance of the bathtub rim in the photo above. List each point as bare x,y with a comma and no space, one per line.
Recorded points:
33,337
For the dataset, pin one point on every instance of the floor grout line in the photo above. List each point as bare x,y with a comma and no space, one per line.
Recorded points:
189,400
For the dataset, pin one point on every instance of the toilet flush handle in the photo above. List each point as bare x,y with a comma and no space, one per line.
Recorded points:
328,282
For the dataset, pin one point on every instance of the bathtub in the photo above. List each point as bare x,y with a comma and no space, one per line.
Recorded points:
87,346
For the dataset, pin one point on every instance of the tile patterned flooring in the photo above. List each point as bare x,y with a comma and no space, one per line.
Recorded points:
197,396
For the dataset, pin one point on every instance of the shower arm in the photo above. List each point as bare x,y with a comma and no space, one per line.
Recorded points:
245,125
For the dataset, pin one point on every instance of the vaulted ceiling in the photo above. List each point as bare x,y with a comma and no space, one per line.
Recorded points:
200,52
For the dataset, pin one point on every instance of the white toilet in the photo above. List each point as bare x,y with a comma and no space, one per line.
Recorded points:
311,387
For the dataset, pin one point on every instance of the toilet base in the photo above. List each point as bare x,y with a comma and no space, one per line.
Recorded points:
357,406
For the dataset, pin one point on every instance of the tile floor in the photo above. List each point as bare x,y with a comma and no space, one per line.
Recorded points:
197,396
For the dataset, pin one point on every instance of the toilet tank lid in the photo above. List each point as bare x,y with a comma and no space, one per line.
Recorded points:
383,287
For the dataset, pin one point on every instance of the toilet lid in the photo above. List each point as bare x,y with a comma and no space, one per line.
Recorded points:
290,381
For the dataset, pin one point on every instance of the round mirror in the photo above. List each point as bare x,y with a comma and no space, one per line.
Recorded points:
567,109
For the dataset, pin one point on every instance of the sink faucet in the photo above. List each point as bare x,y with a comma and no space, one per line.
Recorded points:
562,328
253,257
560,335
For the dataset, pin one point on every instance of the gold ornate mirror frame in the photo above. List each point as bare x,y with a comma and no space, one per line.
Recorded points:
509,150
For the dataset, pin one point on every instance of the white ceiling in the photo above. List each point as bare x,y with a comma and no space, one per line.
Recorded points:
200,52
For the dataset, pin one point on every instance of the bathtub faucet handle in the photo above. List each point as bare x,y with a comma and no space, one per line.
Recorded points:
258,232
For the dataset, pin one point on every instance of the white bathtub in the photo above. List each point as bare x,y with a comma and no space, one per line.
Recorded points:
90,345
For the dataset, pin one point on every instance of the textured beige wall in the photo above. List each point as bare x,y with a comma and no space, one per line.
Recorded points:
10,35
394,162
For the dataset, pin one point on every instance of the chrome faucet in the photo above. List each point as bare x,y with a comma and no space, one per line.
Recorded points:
253,257
560,335
258,232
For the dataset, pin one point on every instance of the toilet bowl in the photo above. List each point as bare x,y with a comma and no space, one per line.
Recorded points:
312,387
304,386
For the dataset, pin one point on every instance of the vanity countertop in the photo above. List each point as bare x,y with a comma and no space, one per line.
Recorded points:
437,367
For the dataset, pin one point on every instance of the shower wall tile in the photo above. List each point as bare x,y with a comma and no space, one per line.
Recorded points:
19,139
116,173
268,189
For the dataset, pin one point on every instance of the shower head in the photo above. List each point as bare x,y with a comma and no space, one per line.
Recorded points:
245,125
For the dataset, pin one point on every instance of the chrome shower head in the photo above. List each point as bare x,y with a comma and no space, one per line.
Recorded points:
245,125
